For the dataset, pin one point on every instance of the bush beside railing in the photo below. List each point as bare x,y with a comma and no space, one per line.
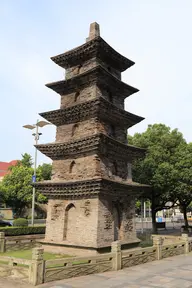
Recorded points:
16,231
20,222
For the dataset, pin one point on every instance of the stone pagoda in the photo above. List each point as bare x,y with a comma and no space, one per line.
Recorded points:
91,193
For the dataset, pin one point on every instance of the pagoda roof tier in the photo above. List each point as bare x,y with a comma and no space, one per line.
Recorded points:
89,188
98,75
98,143
99,108
96,48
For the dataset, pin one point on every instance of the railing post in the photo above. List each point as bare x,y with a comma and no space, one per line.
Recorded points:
116,249
157,242
2,242
185,238
36,276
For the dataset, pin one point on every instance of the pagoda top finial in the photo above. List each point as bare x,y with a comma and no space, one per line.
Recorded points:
94,31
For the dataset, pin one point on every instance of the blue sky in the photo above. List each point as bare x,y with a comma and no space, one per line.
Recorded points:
156,34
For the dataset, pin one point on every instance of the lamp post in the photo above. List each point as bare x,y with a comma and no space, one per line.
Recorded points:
142,212
36,136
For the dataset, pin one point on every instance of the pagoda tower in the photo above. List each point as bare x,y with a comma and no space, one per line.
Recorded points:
91,196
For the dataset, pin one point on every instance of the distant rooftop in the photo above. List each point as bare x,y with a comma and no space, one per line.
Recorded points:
4,166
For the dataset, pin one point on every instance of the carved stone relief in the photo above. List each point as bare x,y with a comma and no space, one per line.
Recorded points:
56,211
128,216
108,220
87,208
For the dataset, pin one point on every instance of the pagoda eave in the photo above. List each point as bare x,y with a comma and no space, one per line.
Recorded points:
98,143
89,188
99,108
93,48
97,75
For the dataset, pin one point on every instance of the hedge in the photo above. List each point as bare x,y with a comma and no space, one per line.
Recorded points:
16,231
20,222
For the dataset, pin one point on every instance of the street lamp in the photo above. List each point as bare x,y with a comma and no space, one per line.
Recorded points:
36,135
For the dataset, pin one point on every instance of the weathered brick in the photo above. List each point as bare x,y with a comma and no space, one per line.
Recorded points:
80,95
91,220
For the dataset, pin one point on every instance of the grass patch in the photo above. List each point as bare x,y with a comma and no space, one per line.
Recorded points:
147,243
27,254
4,262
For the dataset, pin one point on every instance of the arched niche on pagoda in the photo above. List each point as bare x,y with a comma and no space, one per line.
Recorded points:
116,221
69,221
72,167
77,96
74,129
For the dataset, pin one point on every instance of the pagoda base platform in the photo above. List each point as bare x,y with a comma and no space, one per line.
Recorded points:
74,250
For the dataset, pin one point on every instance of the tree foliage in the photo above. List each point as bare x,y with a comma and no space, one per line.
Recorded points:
183,189
26,160
16,188
166,166
45,171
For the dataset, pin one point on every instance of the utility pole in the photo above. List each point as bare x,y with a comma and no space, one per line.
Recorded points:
36,136
142,205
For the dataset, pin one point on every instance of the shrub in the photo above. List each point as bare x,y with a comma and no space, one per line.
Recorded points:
186,229
20,222
146,240
29,217
16,231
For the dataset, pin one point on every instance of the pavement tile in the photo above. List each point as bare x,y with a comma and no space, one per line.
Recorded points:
182,274
63,286
158,281
187,267
114,282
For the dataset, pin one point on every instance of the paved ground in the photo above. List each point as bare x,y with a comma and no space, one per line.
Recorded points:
173,272
169,225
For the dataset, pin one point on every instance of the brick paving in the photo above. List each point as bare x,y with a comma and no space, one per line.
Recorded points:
173,272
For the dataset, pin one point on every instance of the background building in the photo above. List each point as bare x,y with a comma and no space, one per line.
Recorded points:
4,168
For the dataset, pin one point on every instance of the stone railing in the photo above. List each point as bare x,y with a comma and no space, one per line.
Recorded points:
14,243
30,270
190,244
116,260
168,239
15,267
139,256
41,271
78,266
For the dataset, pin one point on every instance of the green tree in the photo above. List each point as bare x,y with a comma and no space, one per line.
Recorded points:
138,207
183,189
189,208
16,188
45,171
26,160
158,167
